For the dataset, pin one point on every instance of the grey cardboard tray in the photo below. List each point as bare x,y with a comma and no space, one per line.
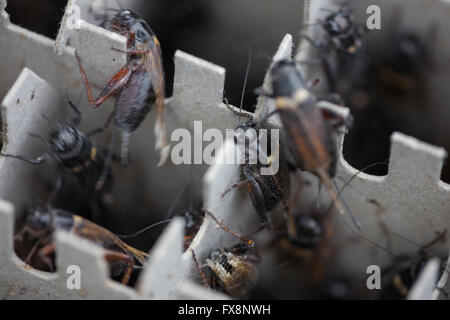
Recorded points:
413,198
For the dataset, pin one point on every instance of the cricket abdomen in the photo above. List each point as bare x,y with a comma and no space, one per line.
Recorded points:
134,101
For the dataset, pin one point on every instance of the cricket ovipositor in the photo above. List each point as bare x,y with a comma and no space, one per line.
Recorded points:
138,85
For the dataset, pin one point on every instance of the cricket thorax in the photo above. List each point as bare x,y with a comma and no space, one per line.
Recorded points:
67,142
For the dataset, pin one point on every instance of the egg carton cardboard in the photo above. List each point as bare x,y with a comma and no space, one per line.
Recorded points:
411,200
411,190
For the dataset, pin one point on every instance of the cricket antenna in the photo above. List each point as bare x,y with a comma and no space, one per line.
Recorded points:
336,195
54,124
341,198
352,216
40,137
127,236
179,194
362,170
359,235
249,63
439,237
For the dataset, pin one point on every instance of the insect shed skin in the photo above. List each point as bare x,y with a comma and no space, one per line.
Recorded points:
138,85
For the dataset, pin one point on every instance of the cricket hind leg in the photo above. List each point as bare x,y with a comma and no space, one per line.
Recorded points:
234,186
112,257
32,252
44,255
199,270
336,196
112,87
27,231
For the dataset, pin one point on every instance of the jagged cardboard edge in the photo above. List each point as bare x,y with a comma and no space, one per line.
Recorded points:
209,76
223,109
411,199
28,99
29,82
